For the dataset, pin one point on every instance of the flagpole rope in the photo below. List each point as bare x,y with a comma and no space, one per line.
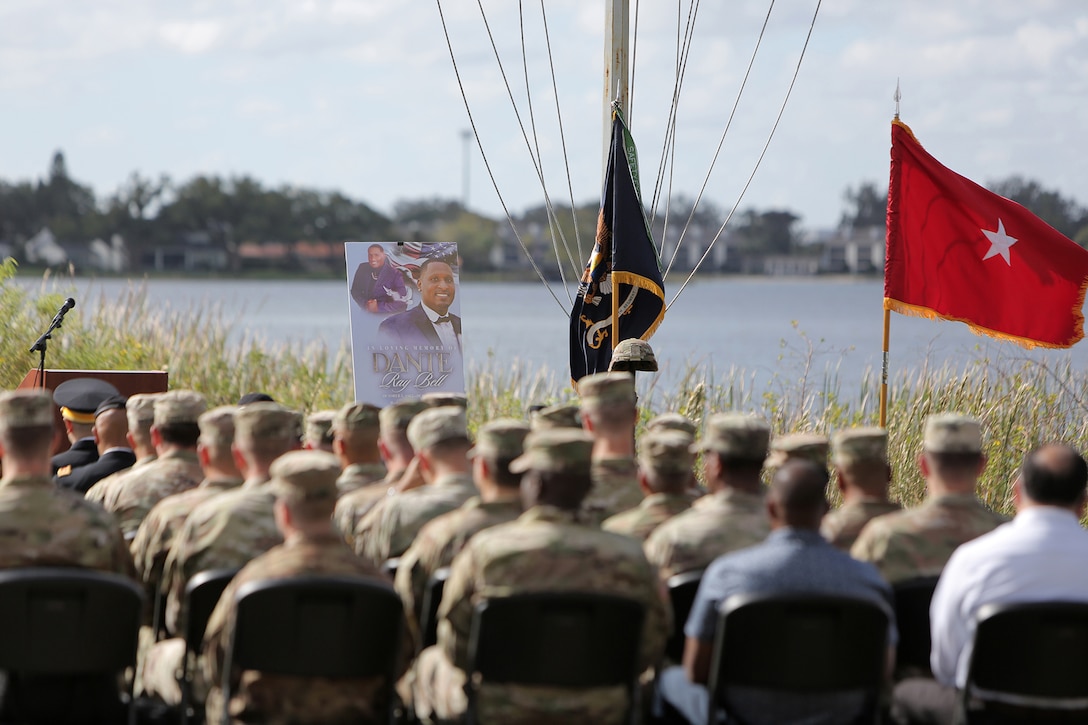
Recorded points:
721,141
781,111
553,225
582,253
683,48
539,158
487,164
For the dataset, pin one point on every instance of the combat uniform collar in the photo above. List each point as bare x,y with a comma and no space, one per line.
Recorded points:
550,514
663,499
185,454
258,482
735,498
454,480
28,482
362,469
221,484
501,504
955,500
329,538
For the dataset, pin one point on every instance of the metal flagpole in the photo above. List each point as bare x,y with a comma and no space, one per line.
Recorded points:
616,44
884,372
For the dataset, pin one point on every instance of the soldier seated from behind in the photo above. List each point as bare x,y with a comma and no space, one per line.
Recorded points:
304,484
547,549
860,458
665,476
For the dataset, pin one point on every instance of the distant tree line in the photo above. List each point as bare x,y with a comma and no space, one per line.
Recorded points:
150,212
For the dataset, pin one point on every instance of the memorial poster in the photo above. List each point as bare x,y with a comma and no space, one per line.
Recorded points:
404,303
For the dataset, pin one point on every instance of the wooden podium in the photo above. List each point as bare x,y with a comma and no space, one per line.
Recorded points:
127,382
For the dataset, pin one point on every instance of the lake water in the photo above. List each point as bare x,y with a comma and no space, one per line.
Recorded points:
765,326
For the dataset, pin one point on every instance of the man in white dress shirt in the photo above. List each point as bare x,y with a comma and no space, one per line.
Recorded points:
1038,556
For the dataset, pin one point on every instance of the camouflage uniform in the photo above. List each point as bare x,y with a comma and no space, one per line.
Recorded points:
360,475
918,542
140,410
391,526
174,472
672,421
441,539
615,479
41,525
804,446
662,452
655,509
842,526
352,506
318,431
546,549
723,521
157,532
285,699
564,415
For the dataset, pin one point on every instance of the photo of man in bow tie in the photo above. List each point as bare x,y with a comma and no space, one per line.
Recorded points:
430,322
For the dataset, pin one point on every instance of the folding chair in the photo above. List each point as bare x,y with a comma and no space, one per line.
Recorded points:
66,635
560,639
682,590
912,599
316,626
1028,664
432,597
797,645
202,593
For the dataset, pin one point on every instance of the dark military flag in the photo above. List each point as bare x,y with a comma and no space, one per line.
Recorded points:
623,276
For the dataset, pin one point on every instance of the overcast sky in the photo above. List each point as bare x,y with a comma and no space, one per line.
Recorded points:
361,96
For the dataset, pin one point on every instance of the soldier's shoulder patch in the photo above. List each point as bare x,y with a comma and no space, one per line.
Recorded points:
64,471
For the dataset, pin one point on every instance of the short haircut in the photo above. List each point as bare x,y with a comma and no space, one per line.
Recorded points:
613,417
1054,475
432,260
666,481
375,246
500,471
738,465
563,489
185,435
27,442
955,464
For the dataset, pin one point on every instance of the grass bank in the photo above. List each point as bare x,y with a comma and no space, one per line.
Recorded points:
1020,404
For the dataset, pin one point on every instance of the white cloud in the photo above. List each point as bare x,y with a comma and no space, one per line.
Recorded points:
191,37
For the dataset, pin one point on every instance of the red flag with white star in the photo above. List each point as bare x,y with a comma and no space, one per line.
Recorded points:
956,251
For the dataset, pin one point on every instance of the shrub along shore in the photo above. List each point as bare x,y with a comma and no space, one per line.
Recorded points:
1020,404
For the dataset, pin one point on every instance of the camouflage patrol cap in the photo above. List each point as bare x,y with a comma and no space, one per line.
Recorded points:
558,449
952,433
357,416
633,355
396,416
319,427
299,476
666,451
436,425
178,406
441,400
857,445
737,435
501,438
805,446
563,415
26,409
672,421
606,389
140,409
265,419
217,425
